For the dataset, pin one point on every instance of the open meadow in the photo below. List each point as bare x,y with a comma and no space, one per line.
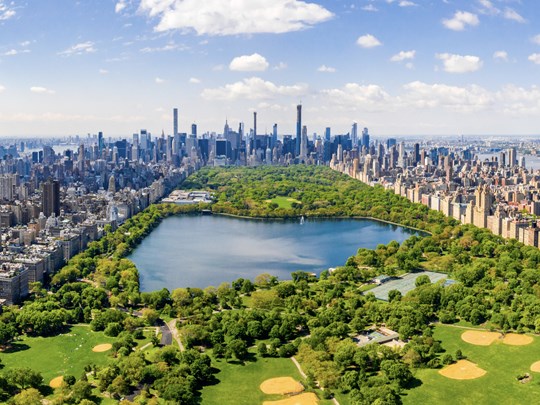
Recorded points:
64,354
502,361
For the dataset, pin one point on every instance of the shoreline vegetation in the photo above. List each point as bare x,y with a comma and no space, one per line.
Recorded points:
315,319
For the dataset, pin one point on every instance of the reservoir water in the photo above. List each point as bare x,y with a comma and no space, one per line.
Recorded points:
199,251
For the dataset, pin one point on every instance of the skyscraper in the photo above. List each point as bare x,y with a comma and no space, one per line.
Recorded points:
298,128
365,138
254,145
304,144
274,136
354,134
50,197
175,121
327,134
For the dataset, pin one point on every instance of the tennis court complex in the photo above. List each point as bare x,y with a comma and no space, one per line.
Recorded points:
404,284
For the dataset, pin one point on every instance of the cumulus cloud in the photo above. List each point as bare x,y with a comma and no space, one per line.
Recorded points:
280,66
535,58
79,49
326,69
249,63
171,46
253,88
2,88
41,90
356,96
120,6
6,11
103,72
233,17
403,55
159,80
194,80
459,63
368,41
461,20
501,55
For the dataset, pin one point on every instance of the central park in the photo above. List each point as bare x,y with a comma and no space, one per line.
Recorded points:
93,334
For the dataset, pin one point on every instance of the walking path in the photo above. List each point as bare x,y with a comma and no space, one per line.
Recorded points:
299,367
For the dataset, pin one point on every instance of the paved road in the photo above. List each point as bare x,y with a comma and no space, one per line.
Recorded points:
166,335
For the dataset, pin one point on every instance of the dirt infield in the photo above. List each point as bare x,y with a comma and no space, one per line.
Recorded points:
281,385
102,348
462,370
56,382
515,339
485,338
536,367
480,337
308,398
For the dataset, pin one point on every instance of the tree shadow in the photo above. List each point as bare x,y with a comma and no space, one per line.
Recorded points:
15,347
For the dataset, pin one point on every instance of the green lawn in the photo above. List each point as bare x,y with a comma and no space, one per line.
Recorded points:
239,384
67,353
499,386
283,202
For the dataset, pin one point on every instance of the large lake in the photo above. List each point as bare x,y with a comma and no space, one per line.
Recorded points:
199,251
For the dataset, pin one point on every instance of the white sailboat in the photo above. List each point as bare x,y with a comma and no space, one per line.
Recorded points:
302,220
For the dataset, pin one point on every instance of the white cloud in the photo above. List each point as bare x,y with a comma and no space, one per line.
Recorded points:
511,14
6,12
465,99
253,88
249,63
501,55
356,96
233,17
536,39
368,41
2,88
280,66
535,57
25,43
403,55
103,72
194,80
41,90
121,5
326,69
79,49
459,63
487,7
171,46
370,7
461,20
159,80
407,3
13,52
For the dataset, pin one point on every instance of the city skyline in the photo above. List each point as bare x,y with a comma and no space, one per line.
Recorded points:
467,67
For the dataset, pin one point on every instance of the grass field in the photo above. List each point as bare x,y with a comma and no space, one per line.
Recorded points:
239,384
283,202
499,386
65,354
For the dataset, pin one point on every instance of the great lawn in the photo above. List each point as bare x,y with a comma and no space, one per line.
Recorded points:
499,385
64,354
239,383
283,202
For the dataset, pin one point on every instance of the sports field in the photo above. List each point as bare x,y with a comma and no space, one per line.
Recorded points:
241,384
283,202
501,360
65,354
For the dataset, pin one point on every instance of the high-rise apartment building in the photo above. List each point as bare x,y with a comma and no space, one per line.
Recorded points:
298,128
175,121
50,198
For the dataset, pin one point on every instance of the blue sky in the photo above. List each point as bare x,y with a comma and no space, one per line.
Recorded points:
399,67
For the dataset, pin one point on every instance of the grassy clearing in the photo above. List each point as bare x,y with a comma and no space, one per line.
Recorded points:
503,364
65,354
283,202
239,384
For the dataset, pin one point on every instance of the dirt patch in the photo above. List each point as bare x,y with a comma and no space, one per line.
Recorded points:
536,367
307,398
56,382
515,339
480,337
281,385
462,370
102,348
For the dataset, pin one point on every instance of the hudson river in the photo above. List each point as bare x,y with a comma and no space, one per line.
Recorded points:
199,251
